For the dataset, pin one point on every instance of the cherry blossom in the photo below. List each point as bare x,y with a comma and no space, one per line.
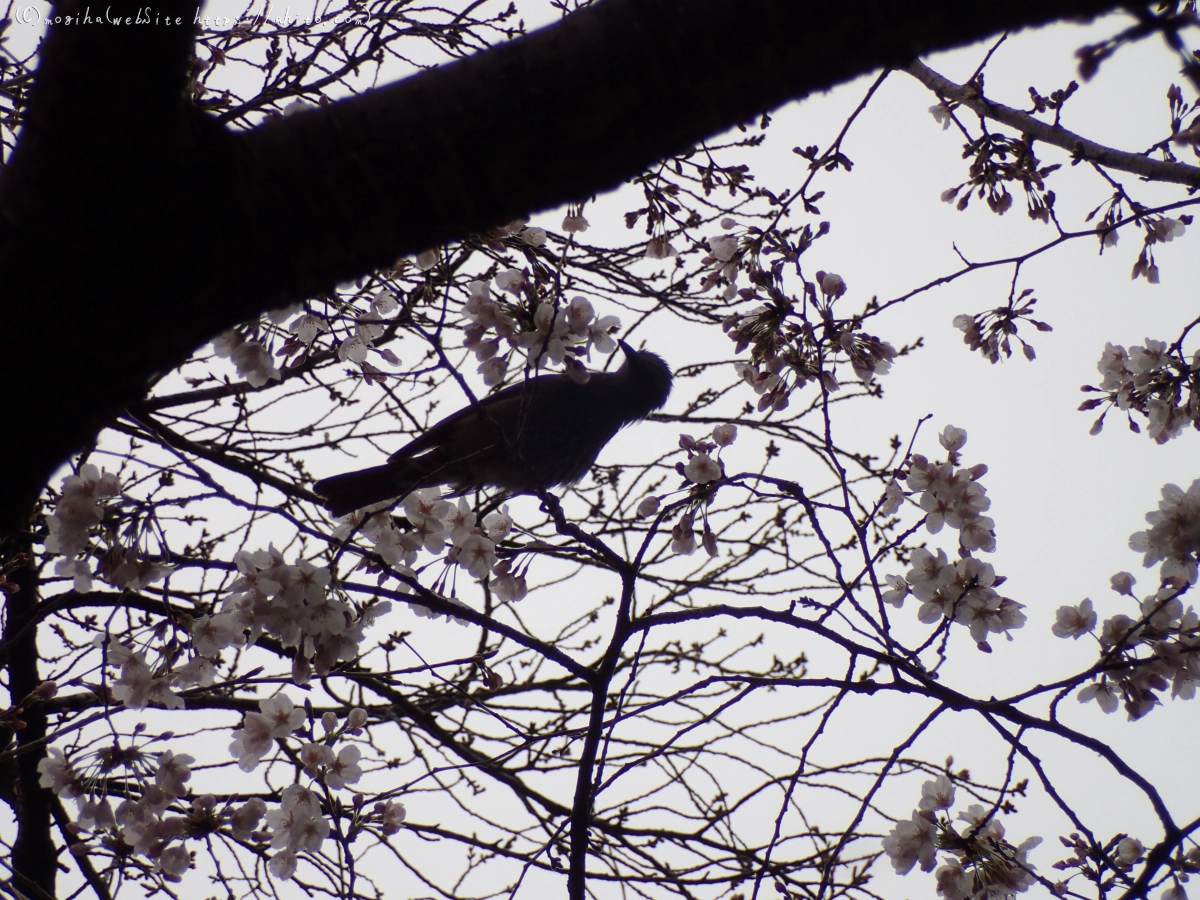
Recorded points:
937,794
253,362
55,772
660,248
648,507
307,327
912,841
683,535
477,555
1074,621
507,584
1103,693
702,469
283,864
173,772
498,523
244,820
391,815
1123,583
278,718
175,860
344,768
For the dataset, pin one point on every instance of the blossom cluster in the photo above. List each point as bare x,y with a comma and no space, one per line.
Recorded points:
441,527
1159,648
723,260
151,820
559,335
293,604
991,332
703,468
979,864
1152,381
80,508
77,517
963,591
250,357
785,355
1158,230
155,819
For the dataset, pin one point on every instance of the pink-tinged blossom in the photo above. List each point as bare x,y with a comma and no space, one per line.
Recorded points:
174,772
1129,851
911,842
138,686
953,883
460,521
1103,693
174,861
508,585
1074,621
511,280
1113,366
660,248
278,719
356,720
391,814
1116,630
573,223
979,534
55,772
832,286
724,435
551,337
427,259
683,535
498,524
344,768
723,247
493,370
893,497
898,590
212,634
95,815
937,794
477,555
368,328
953,439
1123,583
926,572
648,507
283,865
307,327
244,820
354,349
1174,534
315,756
702,469
253,362
78,570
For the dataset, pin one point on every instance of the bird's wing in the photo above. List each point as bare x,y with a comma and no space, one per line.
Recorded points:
499,406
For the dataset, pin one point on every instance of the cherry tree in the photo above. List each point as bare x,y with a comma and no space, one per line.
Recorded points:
651,682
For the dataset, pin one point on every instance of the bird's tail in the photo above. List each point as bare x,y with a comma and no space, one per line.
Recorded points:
345,493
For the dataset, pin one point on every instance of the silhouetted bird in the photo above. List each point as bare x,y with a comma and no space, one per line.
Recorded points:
541,433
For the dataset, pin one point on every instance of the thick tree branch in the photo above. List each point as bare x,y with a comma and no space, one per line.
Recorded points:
146,228
1080,147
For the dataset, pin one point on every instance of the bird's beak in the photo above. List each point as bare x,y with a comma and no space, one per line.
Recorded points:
625,348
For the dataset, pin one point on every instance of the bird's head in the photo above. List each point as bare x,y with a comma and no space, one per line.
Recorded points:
645,380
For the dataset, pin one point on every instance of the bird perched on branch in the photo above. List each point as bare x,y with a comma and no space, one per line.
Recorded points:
544,432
